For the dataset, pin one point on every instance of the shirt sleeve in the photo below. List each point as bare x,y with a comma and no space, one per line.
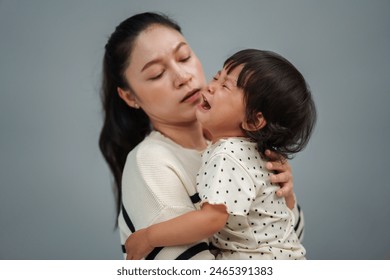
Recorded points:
224,181
152,181
152,192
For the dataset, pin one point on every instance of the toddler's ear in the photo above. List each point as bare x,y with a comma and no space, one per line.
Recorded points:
258,123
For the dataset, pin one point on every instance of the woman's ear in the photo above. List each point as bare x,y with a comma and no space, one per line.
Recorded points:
258,123
128,97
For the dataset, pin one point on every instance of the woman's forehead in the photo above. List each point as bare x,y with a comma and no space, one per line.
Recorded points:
157,41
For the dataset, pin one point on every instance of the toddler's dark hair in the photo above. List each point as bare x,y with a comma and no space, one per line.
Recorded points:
274,87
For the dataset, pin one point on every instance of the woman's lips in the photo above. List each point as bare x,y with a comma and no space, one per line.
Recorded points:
191,96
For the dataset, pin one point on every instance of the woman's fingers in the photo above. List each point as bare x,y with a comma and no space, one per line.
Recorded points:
278,165
286,190
281,178
283,175
272,156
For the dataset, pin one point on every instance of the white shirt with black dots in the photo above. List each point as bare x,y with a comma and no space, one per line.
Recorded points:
260,225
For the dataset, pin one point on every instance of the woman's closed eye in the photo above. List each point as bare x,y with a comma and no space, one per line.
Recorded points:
157,76
185,59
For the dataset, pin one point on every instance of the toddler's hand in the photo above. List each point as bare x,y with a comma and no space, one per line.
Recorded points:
137,245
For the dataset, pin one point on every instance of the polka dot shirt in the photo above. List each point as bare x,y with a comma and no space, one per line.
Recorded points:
260,225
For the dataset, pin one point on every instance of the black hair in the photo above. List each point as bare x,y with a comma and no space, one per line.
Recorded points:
274,87
123,127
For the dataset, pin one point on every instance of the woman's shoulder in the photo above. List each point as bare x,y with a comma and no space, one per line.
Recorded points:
150,157
154,146
157,148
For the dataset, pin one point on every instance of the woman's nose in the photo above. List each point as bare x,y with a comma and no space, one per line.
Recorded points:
182,78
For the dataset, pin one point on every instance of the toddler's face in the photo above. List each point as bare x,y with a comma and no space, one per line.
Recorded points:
222,110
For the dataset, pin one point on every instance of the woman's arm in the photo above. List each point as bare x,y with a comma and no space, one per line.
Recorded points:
185,229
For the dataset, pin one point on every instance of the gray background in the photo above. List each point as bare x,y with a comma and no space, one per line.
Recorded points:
55,196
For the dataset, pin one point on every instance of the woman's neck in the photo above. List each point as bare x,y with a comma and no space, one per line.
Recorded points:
189,136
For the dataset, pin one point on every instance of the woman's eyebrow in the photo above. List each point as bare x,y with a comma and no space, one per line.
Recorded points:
179,46
159,59
150,63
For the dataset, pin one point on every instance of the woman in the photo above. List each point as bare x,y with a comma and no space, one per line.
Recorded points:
151,138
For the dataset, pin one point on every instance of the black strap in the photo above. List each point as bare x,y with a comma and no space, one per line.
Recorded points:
190,252
152,255
129,223
299,219
195,198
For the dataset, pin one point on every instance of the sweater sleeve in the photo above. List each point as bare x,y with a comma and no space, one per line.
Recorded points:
153,191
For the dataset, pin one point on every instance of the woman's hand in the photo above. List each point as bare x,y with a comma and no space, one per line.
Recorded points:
283,177
137,245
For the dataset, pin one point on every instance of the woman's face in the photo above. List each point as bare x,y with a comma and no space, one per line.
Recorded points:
166,76
222,111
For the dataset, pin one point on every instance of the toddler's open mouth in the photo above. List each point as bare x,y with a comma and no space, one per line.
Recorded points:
205,104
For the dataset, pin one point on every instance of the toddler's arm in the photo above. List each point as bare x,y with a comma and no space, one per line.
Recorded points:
185,229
